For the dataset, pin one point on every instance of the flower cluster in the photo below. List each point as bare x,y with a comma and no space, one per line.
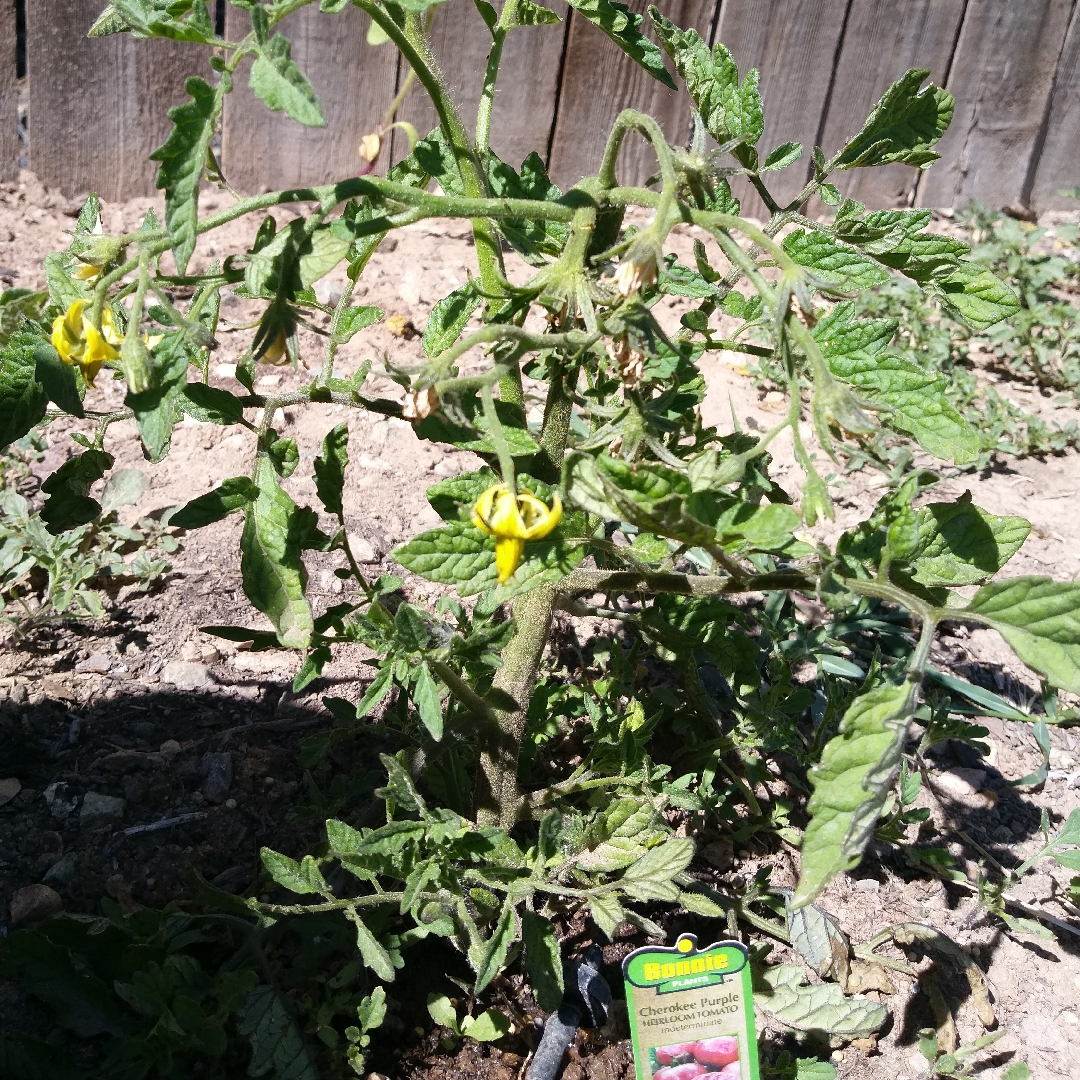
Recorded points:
80,342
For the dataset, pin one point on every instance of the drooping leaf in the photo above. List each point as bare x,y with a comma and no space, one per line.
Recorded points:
821,1008
124,488
235,493
210,404
1040,619
607,913
273,572
155,407
834,260
851,782
903,125
330,470
372,951
623,27
974,295
277,1046
492,956
543,961
68,504
282,86
428,705
298,877
448,318
729,110
183,159
22,397
651,876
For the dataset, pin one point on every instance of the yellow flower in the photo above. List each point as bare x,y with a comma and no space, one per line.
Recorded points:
88,271
80,342
513,519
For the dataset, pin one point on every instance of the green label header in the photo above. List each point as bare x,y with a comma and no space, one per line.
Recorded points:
684,967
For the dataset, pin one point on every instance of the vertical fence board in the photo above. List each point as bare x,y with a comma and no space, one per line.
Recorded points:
9,94
97,108
599,82
1001,78
354,81
793,43
883,40
1059,163
525,93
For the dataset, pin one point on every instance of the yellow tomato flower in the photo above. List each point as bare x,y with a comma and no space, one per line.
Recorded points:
513,519
80,342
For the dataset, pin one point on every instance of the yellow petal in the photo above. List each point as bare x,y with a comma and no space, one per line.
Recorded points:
87,271
505,518
508,552
108,327
482,509
60,341
539,520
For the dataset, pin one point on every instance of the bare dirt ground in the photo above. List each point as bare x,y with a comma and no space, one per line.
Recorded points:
106,709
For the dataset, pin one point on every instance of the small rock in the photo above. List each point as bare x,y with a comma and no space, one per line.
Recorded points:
34,902
719,854
867,885
328,292
170,746
18,693
363,549
39,697
230,804
960,783
210,655
445,467
97,808
60,806
61,872
9,788
190,650
1062,759
217,770
185,674
96,663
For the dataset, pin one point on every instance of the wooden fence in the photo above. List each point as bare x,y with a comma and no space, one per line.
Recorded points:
96,108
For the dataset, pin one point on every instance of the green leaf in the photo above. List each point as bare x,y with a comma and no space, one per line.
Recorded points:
18,305
1016,1071
530,14
354,319
282,86
426,698
322,252
475,437
379,688
155,408
489,1026
812,1069
68,504
823,1008
284,455
783,156
25,1058
236,493
298,877
454,499
1040,619
371,949
442,1011
273,572
183,159
961,544
22,397
834,260
276,1043
124,488
493,954
851,782
973,294
448,318
650,877
543,961
330,470
622,26
728,110
210,404
902,126
607,913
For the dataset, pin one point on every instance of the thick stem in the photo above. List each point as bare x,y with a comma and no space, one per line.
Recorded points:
498,797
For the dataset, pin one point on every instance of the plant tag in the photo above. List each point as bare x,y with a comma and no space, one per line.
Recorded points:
692,1011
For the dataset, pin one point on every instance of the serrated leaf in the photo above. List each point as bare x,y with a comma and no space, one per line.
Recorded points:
823,1008
183,159
607,913
1040,619
974,295
273,572
817,937
210,404
58,380
622,26
282,86
232,494
155,407
448,318
371,949
783,156
650,877
543,961
851,782
18,305
902,126
22,397
729,110
330,470
354,319
426,698
489,1026
276,1043
530,14
124,488
833,260
298,877
493,955
68,504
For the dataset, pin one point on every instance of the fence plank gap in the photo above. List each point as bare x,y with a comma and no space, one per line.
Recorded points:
1058,166
98,107
1001,77
877,50
354,81
599,82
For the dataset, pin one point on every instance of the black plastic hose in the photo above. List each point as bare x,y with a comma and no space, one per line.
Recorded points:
586,1001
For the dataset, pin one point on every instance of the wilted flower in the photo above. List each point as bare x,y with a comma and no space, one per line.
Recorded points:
370,145
513,519
420,404
275,351
631,364
80,342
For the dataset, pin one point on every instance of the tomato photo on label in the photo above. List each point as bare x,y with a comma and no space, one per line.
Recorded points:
689,1070
667,1054
731,1071
719,1051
